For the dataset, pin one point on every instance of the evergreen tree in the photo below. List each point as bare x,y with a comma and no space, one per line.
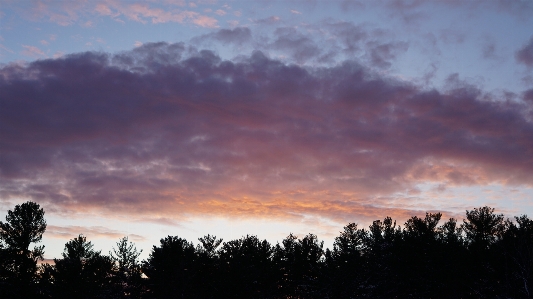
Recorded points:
170,268
246,269
127,269
82,272
208,265
301,265
346,264
18,264
483,228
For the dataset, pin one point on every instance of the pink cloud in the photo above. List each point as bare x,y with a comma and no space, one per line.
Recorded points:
32,51
4,48
140,12
103,9
61,13
70,12
204,21
69,232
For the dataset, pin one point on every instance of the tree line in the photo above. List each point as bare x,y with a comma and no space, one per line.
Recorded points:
485,256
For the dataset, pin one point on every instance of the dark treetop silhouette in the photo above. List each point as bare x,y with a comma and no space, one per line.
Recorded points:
487,256
18,264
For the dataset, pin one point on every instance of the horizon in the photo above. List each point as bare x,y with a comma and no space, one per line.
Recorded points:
183,118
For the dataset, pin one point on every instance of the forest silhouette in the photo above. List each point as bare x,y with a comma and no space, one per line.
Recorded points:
485,256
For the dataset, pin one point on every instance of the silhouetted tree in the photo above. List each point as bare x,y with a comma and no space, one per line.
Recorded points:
170,269
345,263
454,275
127,268
485,257
516,249
246,268
450,233
82,272
301,264
418,258
24,225
379,248
382,236
483,228
208,245
208,268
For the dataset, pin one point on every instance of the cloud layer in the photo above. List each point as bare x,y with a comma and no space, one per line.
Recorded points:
165,129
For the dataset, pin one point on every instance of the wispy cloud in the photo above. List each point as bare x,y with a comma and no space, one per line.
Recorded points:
32,51
83,13
70,232
141,12
6,49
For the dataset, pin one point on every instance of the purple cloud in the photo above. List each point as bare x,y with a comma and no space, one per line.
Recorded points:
381,55
268,21
301,47
164,129
238,36
525,54
528,95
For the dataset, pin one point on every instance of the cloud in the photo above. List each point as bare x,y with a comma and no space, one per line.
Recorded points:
449,36
88,24
351,37
205,21
140,12
299,46
268,21
233,23
166,131
525,54
381,55
5,49
375,46
82,12
58,54
32,51
348,5
519,9
528,95
70,232
238,36
61,13
489,51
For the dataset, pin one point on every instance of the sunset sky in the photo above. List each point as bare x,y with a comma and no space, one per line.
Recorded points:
155,118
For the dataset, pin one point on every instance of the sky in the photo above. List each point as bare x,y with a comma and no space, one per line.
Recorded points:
185,118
